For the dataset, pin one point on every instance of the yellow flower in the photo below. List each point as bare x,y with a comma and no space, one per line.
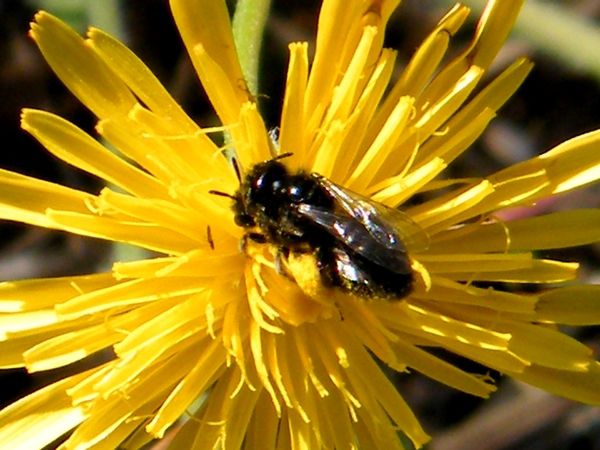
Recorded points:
250,357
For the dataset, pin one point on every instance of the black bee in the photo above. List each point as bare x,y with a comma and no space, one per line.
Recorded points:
359,245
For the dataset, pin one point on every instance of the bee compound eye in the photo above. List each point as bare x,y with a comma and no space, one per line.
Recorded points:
300,189
243,220
296,193
269,184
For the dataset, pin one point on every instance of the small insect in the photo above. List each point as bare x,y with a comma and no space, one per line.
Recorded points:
209,238
359,246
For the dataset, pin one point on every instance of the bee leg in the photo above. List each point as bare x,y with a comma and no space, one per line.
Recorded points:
281,265
254,237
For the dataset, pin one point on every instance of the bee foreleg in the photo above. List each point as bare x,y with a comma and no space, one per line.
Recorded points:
281,264
253,236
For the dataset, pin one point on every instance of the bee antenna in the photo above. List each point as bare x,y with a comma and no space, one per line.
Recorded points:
283,155
222,194
236,168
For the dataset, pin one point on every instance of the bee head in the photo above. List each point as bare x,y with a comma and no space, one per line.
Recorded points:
266,186
263,193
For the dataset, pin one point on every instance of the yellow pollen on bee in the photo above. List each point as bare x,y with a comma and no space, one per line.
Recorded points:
304,269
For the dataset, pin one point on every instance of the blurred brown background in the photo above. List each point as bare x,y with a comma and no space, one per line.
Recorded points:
559,100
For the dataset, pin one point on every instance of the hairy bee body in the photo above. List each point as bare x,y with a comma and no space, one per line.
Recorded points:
356,247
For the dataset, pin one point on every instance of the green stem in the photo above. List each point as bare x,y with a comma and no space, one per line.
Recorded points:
249,22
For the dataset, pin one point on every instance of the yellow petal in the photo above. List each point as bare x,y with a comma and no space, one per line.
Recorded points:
360,123
277,366
366,376
161,143
383,145
238,415
162,213
450,208
192,264
501,360
146,235
130,434
395,190
140,79
25,199
538,271
420,68
512,191
572,305
120,135
134,365
530,341
333,55
229,406
328,150
128,293
476,263
12,348
337,18
347,90
16,322
226,97
473,117
250,138
48,411
572,164
457,136
67,348
493,28
206,31
442,371
71,346
80,69
583,387
533,342
190,387
556,230
428,56
444,290
108,414
291,138
76,147
35,294
185,317
428,324
264,425
431,118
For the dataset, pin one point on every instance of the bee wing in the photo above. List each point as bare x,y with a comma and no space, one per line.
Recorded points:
390,254
385,224
347,269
